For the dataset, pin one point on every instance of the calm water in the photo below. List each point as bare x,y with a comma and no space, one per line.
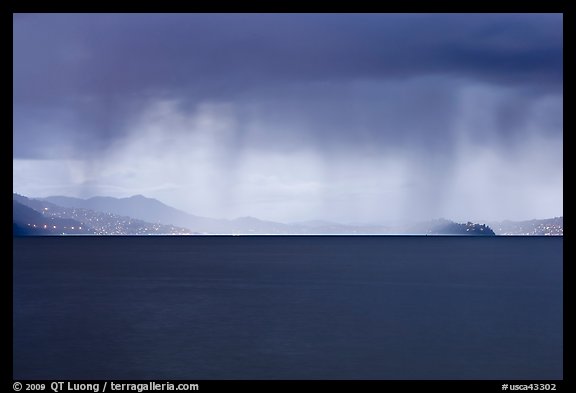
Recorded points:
288,308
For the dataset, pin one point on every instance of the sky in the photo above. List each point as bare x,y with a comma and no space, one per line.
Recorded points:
355,118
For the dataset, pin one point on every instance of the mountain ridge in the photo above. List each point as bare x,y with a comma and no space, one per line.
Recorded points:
150,210
95,222
28,222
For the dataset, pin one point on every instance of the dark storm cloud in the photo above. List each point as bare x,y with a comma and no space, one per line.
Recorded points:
102,66
124,54
344,99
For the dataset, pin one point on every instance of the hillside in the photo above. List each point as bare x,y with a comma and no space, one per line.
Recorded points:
27,221
142,215
100,223
549,226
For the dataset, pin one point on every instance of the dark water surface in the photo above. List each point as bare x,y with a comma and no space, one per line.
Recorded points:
288,308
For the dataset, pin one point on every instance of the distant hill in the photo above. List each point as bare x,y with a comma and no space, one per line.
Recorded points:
91,221
146,209
27,221
136,206
139,214
549,226
152,210
34,204
446,227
